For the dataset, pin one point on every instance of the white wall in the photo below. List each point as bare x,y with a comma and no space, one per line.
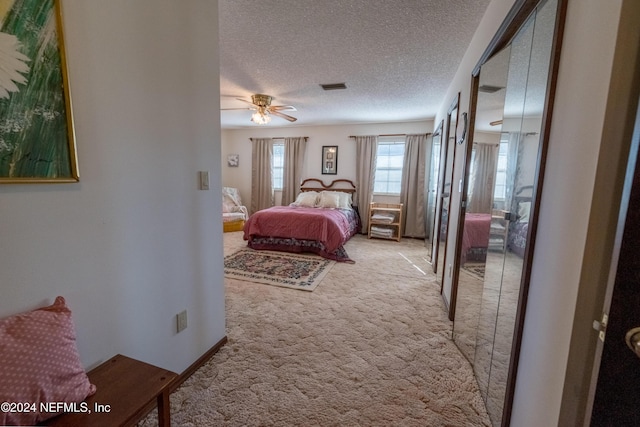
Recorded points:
583,83
237,142
134,242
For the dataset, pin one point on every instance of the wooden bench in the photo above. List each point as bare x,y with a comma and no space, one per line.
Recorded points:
127,389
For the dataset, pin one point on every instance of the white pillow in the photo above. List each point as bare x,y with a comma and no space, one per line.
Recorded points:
307,199
523,211
344,199
328,199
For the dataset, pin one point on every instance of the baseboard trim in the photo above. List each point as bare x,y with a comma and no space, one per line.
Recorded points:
197,364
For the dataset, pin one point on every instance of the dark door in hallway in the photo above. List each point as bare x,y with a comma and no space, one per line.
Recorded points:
617,397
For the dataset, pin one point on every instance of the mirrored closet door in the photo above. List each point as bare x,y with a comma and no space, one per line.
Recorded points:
431,189
477,241
503,164
447,157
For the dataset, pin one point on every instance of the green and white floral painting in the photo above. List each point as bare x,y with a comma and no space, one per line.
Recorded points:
36,130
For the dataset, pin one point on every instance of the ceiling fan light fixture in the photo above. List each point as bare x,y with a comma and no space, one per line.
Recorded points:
261,100
261,116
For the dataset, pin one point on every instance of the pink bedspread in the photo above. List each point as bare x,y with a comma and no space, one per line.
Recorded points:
329,226
477,227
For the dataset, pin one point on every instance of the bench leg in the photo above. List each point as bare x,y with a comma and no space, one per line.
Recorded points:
164,416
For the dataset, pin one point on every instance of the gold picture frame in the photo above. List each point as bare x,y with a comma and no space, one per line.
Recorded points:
37,137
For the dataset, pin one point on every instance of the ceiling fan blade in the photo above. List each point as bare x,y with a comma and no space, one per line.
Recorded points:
284,116
244,100
243,108
282,108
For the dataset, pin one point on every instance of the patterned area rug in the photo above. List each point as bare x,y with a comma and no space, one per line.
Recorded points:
295,271
475,269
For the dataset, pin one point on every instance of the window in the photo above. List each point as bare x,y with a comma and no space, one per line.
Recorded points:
389,167
277,165
500,189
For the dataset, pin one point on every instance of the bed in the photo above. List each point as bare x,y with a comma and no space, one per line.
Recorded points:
475,237
321,221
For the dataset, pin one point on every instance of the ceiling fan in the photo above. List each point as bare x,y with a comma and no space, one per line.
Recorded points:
261,104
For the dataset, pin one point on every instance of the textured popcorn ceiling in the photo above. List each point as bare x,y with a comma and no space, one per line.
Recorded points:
397,57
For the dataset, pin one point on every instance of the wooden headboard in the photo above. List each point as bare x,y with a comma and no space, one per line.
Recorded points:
315,184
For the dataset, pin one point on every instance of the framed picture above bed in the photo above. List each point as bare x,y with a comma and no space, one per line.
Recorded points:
329,159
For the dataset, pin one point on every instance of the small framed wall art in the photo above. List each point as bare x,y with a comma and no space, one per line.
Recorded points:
329,159
233,160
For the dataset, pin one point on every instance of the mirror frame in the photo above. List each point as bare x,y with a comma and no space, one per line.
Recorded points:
517,16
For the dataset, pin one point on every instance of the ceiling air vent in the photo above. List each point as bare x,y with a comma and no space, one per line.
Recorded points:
334,86
489,88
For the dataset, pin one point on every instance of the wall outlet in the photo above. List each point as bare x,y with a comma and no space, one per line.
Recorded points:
182,320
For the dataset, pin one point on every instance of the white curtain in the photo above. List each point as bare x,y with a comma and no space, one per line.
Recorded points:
514,150
261,183
412,190
482,180
294,149
366,155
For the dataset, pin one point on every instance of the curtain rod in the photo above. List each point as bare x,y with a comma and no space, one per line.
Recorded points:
394,134
283,137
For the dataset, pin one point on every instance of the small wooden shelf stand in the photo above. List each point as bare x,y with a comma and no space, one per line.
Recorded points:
129,389
396,225
499,231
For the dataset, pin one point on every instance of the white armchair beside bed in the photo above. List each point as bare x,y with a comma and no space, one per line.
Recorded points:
234,213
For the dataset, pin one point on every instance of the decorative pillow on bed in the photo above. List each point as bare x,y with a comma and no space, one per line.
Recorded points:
329,199
344,199
40,363
307,199
523,211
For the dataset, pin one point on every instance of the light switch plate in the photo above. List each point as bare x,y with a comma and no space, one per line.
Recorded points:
182,320
204,180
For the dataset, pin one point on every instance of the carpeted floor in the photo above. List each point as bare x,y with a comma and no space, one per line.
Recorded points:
369,347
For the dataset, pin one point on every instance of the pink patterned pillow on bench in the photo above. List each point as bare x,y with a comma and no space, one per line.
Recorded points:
39,364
